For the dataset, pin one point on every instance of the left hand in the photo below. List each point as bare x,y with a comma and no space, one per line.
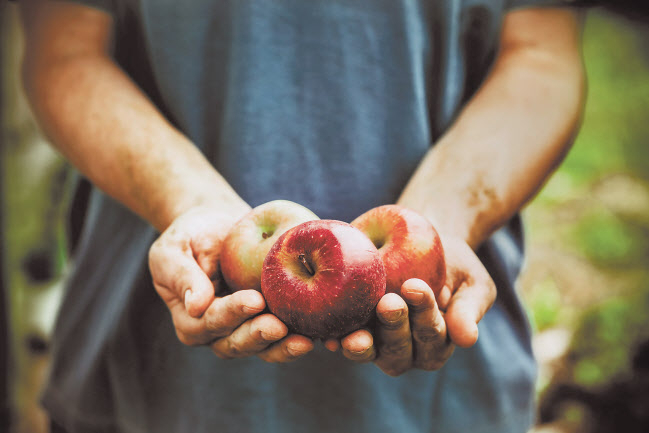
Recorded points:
416,330
184,267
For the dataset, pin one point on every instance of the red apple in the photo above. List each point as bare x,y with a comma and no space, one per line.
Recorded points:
249,240
323,279
408,244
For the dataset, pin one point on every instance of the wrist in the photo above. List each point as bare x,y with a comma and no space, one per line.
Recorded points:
190,182
448,222
231,209
215,203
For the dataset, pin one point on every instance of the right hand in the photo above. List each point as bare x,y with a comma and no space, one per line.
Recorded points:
184,266
417,330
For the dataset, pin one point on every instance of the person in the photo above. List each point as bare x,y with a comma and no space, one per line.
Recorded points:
189,114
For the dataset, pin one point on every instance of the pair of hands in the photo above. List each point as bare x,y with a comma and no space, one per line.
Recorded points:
413,329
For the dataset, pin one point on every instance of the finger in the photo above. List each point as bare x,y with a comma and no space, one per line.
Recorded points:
222,317
252,337
197,288
431,347
359,346
176,275
332,345
443,298
394,341
288,349
466,309
228,312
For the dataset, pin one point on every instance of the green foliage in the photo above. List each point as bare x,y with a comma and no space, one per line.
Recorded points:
607,335
615,130
545,305
613,141
609,241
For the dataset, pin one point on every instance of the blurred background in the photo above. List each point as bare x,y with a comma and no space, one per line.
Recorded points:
585,284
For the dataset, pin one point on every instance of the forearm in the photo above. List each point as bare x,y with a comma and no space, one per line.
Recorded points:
96,116
503,146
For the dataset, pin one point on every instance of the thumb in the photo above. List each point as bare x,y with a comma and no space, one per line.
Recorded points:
466,309
197,289
176,276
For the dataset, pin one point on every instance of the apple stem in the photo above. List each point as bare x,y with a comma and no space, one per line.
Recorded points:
265,235
306,264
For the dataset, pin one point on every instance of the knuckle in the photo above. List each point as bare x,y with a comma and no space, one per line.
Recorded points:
186,339
212,320
234,350
428,336
216,325
396,348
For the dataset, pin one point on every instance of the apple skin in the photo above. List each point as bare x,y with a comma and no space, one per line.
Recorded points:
408,245
323,279
249,240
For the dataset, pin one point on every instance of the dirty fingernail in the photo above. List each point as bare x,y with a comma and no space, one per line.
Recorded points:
414,297
392,316
250,310
269,336
294,351
359,352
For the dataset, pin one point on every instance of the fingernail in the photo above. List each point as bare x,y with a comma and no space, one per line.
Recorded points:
270,337
250,310
414,297
392,316
188,296
294,351
360,352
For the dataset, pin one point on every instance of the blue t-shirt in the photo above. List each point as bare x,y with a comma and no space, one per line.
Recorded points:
331,104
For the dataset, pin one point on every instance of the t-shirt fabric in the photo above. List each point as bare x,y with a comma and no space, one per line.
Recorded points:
328,103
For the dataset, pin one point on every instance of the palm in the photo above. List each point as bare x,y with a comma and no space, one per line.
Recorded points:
419,329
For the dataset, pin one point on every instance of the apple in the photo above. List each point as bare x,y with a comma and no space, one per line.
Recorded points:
323,279
408,245
248,241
